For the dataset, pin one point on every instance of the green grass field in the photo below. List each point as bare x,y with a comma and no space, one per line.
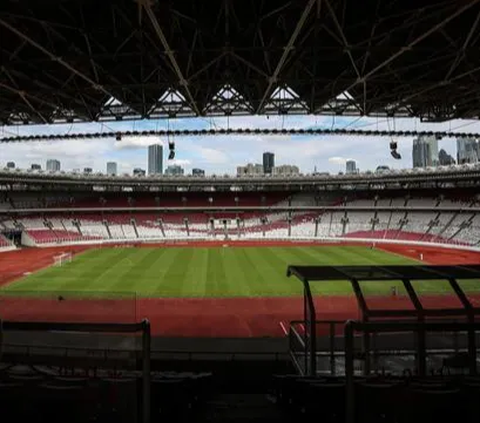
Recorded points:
207,272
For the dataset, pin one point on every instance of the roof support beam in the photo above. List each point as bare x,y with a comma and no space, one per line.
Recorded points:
183,82
346,44
286,51
440,84
413,43
461,53
24,96
53,57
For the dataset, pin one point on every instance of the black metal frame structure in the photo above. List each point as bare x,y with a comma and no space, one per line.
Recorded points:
238,131
419,328
84,60
143,327
356,275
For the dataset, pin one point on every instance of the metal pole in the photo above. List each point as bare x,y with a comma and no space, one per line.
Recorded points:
146,344
420,333
366,350
421,348
472,347
306,334
349,388
312,329
332,348
313,347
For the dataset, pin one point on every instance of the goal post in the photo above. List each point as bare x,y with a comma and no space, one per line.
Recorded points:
62,259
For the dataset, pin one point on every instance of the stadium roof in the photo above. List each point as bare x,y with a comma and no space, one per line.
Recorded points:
91,60
384,273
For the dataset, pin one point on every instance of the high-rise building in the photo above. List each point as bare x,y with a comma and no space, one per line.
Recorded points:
382,169
468,150
53,165
351,167
111,168
35,166
174,170
445,159
138,172
198,172
155,159
268,162
425,152
11,165
250,169
286,170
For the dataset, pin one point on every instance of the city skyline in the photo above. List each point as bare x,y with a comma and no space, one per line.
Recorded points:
221,154
425,152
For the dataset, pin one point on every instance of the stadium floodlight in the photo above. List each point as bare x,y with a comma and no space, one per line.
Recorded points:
171,147
393,150
395,155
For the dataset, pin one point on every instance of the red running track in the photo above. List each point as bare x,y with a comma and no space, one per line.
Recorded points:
230,317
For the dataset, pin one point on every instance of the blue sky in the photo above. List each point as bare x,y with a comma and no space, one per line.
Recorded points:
222,154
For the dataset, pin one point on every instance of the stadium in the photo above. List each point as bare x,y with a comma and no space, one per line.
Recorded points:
188,246
267,297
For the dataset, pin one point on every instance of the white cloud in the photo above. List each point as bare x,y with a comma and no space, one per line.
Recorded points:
72,154
179,162
213,156
338,160
134,142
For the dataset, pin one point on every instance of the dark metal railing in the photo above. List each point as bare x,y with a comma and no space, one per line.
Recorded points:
143,327
354,327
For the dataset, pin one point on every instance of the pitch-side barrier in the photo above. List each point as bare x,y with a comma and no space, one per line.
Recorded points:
319,240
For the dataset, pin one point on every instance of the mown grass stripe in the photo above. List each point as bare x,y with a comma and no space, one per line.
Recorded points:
207,272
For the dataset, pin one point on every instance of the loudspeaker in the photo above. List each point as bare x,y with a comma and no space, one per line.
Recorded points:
395,154
393,150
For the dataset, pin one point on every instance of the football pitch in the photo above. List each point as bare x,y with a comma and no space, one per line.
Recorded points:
182,272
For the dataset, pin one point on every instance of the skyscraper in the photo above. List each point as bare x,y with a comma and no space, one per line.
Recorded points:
138,172
198,172
53,165
268,162
155,159
111,168
444,159
468,150
351,167
425,152
286,170
250,169
174,170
